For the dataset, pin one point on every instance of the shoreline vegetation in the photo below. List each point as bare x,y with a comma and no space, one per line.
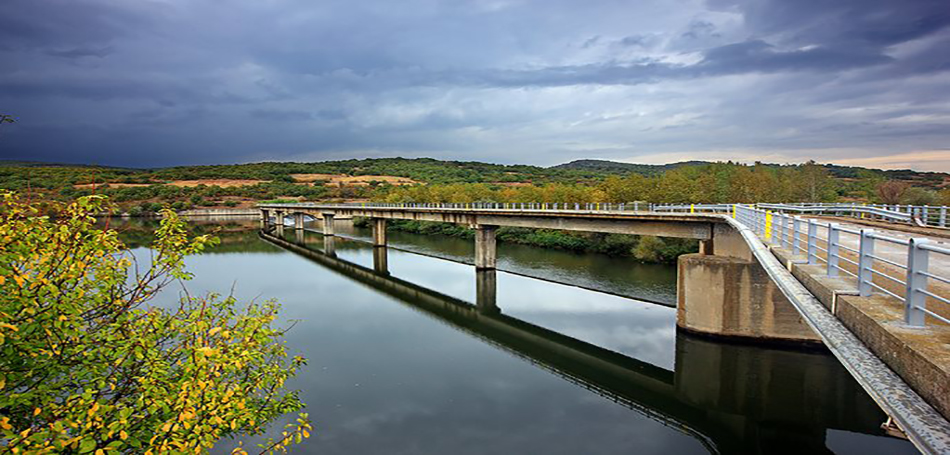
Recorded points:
646,249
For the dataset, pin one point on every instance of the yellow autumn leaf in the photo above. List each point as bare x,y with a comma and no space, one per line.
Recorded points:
37,411
213,331
9,326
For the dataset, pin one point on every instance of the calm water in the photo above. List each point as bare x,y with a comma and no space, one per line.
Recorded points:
407,363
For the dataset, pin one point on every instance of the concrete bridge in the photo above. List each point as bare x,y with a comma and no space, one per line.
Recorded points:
737,286
698,398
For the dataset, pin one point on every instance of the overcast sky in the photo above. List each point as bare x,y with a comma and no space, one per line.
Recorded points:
167,82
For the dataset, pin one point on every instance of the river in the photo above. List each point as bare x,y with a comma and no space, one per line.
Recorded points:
405,363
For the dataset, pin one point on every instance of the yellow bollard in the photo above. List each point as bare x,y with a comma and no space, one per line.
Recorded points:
734,210
692,208
768,224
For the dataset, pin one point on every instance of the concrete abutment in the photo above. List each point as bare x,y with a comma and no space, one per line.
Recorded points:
723,291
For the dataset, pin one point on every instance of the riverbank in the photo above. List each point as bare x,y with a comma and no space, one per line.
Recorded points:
645,249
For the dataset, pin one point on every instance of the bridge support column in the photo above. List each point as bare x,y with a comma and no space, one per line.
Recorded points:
298,221
379,231
327,224
381,260
265,219
485,246
486,291
723,291
329,245
298,236
280,224
735,298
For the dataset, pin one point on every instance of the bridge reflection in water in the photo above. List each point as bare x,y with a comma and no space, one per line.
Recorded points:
732,398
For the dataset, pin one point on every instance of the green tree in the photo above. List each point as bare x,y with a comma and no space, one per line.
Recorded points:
88,366
918,196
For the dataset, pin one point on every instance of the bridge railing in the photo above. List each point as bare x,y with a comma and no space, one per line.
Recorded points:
922,215
850,252
558,206
925,215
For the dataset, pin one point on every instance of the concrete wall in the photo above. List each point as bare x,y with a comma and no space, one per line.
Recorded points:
731,297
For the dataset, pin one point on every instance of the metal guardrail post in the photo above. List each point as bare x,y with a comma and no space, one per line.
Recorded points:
865,262
943,216
812,242
781,230
925,215
915,299
796,235
833,248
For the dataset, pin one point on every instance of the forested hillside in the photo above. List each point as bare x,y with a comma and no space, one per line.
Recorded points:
430,180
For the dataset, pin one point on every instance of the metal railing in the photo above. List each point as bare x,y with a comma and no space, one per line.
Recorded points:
843,251
923,215
852,252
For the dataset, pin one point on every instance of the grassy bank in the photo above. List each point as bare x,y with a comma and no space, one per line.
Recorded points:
643,248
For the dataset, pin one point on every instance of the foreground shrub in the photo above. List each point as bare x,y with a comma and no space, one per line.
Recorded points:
87,366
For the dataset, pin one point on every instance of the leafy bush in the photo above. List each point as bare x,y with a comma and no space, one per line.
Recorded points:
87,366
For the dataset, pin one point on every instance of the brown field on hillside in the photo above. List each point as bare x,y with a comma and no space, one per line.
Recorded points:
351,180
223,183
112,185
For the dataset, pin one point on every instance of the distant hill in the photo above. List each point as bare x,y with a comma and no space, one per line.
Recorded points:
605,167
615,167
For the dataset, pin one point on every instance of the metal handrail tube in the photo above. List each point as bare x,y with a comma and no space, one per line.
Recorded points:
894,279
849,261
934,248
890,239
940,298
938,278
848,248
934,315
879,288
888,261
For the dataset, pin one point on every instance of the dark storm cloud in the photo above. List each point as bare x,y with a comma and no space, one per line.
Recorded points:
173,81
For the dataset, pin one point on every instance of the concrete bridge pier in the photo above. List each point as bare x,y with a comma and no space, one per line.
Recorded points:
723,291
265,219
329,245
485,257
381,260
379,232
327,224
298,221
280,223
299,238
486,291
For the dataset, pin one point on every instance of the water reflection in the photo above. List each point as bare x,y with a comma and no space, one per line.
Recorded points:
728,398
423,359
